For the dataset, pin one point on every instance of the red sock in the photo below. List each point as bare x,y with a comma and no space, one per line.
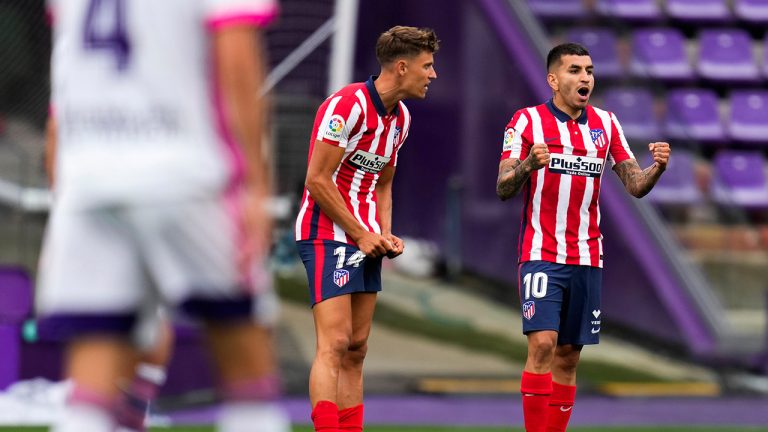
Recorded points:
325,416
536,390
351,419
560,407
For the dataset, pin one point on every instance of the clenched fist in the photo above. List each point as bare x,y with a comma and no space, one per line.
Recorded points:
539,156
660,152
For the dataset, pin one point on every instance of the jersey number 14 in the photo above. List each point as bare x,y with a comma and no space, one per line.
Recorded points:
105,30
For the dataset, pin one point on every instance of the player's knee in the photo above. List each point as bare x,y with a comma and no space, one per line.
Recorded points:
568,362
335,346
542,350
357,351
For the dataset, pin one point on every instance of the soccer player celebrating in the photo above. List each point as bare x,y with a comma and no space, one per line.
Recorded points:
344,226
555,152
160,191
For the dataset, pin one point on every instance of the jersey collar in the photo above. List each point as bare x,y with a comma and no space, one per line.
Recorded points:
377,99
563,117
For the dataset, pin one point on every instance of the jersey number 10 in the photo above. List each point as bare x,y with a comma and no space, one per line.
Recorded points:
105,30
535,284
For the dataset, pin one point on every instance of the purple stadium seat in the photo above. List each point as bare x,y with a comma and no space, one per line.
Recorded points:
15,307
660,53
16,294
739,179
601,43
749,116
678,184
726,55
755,11
634,109
765,55
555,9
692,114
633,10
708,11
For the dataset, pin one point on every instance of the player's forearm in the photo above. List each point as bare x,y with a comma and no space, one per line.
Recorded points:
327,196
241,75
384,199
50,150
512,177
636,181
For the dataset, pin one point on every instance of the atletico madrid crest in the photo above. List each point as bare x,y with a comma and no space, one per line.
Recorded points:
529,309
598,138
340,277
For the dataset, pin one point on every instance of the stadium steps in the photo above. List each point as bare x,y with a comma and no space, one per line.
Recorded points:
411,360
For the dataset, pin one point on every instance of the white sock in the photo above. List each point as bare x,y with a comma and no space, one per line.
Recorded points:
84,418
253,417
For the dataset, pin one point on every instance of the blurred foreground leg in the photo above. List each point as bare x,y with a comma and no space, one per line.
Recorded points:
249,377
94,364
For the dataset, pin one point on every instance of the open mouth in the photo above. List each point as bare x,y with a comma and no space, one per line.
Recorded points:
583,91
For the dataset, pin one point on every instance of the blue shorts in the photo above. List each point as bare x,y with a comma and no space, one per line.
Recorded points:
335,268
561,297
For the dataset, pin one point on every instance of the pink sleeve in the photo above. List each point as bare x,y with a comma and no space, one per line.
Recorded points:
50,15
225,13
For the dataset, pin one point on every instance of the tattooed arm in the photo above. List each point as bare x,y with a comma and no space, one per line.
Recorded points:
513,173
639,182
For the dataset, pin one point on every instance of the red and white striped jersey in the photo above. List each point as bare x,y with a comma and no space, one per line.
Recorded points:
561,215
354,118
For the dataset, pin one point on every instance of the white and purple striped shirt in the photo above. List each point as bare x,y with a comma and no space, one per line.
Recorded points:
137,107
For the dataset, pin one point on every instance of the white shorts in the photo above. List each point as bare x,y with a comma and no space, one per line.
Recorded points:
107,262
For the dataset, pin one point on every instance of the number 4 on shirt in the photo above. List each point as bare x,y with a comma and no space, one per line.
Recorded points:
105,30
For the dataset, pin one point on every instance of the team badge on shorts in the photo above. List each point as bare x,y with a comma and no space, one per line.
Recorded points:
529,309
340,277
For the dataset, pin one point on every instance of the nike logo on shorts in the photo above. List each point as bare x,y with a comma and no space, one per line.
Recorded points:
566,409
594,331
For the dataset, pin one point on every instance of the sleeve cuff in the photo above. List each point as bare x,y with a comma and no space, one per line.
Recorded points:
244,18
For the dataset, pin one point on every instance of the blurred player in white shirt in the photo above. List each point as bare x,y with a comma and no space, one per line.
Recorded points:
161,183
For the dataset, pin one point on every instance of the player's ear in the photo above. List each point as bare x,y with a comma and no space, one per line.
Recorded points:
401,67
552,81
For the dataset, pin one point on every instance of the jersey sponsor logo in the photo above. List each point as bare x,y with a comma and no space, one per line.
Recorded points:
368,162
583,166
598,138
529,310
334,128
340,277
509,135
118,123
